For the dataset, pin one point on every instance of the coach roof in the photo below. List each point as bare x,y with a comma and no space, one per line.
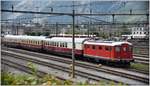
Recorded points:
66,39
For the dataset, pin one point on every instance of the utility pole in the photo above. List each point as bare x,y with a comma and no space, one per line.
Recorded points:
90,19
56,29
17,28
73,45
88,28
13,21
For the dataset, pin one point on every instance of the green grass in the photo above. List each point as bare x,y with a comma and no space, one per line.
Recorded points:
24,79
140,66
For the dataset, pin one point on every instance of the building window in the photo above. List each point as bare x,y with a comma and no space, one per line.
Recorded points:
140,28
140,32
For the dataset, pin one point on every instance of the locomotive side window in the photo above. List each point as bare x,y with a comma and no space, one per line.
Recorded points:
117,49
108,48
100,47
93,47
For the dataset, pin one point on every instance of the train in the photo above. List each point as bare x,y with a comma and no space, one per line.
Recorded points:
85,48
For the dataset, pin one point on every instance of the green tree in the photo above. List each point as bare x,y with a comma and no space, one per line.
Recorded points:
38,33
33,34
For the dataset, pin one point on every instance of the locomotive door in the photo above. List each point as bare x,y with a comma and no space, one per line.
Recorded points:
118,51
124,53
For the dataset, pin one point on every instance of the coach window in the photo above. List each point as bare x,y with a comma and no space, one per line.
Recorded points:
49,43
56,44
66,45
93,47
60,44
63,44
53,43
37,42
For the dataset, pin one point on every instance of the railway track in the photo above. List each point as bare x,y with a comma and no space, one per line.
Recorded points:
141,55
88,76
102,69
142,60
52,57
39,72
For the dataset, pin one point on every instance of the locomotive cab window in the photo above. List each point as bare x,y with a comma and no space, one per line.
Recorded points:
130,48
124,49
86,46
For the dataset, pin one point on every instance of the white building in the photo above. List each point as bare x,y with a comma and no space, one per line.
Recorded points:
138,32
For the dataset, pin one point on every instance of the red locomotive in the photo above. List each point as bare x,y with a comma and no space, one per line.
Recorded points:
109,51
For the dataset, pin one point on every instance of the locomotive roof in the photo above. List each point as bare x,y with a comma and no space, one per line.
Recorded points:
109,43
66,39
